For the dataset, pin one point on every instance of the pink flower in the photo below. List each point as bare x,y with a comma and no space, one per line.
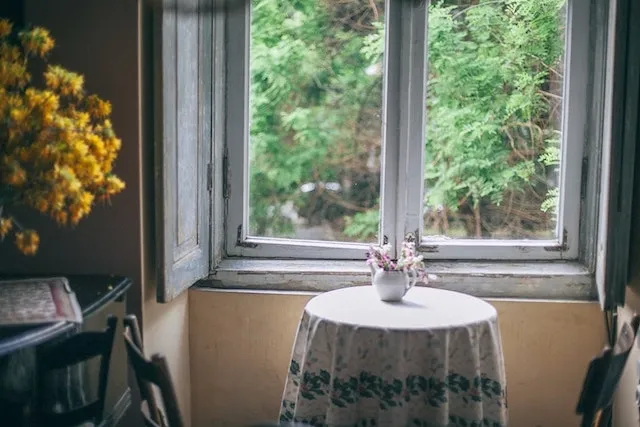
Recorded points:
409,259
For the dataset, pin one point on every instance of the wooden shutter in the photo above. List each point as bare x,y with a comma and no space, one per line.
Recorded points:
618,153
182,79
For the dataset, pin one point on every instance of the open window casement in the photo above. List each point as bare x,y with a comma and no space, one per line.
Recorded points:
186,101
183,139
619,136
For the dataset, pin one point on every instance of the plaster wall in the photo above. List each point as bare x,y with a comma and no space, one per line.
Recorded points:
241,343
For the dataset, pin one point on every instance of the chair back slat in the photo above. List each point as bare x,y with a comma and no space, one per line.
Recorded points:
156,372
169,396
146,393
75,349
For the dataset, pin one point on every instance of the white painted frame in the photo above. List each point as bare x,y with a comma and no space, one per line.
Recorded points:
412,41
403,130
237,242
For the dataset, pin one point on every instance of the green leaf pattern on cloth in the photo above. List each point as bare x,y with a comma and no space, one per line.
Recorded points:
422,390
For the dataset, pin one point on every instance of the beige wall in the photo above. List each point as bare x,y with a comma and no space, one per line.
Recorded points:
241,343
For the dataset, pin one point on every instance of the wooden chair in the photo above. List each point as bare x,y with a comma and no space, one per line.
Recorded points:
148,373
146,392
78,348
603,375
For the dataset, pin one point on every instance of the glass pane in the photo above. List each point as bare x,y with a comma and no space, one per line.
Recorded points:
316,122
494,113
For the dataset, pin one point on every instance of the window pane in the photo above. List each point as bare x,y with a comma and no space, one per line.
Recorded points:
494,114
316,126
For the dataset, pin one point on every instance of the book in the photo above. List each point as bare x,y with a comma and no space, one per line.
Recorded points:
38,301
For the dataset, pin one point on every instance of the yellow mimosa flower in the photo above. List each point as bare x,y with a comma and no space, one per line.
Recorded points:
27,241
9,53
61,217
113,144
42,205
18,114
58,146
86,199
79,148
81,118
5,226
37,41
97,107
5,27
97,146
114,185
24,155
16,175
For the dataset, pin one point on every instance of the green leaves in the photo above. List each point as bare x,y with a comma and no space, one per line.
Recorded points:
488,65
313,108
492,116
363,225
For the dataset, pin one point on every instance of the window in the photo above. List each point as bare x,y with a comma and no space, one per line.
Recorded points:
496,133
459,123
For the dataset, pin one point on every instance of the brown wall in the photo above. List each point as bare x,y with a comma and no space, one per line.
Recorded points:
101,40
241,344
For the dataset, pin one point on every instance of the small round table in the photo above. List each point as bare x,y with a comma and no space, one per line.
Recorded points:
434,359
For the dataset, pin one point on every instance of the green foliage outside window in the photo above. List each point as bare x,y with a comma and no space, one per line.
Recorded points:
493,113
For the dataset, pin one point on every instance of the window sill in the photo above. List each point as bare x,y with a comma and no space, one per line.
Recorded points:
531,280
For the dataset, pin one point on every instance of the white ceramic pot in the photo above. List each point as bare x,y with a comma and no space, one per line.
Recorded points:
392,285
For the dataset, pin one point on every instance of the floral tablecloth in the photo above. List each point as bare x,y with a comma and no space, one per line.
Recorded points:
434,359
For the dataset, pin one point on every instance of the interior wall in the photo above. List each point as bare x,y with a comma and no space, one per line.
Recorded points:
88,42
108,241
108,42
241,344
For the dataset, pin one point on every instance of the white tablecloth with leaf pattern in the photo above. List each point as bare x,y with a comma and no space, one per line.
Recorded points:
434,359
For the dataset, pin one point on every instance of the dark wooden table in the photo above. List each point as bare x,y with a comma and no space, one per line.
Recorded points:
93,292
18,346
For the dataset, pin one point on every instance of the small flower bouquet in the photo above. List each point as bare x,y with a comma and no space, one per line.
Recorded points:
57,144
378,256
